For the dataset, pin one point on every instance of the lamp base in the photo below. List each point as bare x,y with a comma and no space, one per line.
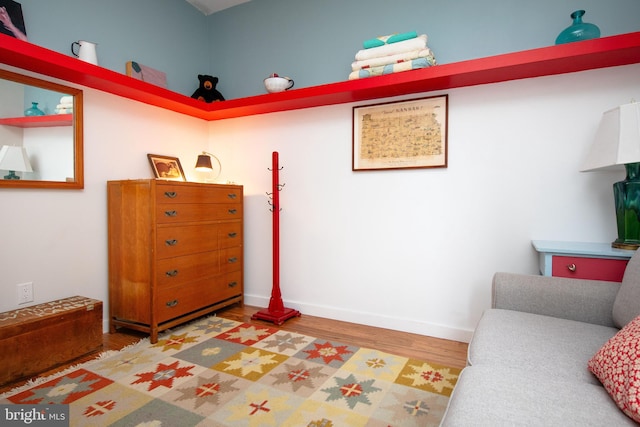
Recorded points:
12,175
625,245
627,203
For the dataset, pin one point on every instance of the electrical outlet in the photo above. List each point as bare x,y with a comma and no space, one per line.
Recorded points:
25,293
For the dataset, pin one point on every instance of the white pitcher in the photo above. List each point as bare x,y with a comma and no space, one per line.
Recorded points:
86,51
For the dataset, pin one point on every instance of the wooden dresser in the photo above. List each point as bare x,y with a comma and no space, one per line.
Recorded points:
175,252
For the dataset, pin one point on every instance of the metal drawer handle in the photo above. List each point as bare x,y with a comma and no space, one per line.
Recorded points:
572,268
171,242
233,211
232,196
171,273
171,213
232,234
170,194
232,260
172,303
232,284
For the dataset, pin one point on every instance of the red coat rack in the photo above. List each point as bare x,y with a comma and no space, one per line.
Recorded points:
276,312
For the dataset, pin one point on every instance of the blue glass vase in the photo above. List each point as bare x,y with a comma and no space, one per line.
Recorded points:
578,30
34,110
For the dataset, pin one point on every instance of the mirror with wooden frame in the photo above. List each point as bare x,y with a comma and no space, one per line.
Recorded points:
40,133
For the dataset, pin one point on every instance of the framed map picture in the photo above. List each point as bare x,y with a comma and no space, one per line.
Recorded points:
400,135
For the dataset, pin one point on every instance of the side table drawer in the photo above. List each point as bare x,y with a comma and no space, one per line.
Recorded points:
588,268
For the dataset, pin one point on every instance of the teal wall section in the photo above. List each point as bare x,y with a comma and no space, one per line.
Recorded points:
314,42
169,35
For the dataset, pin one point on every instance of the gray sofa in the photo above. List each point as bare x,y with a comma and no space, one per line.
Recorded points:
527,361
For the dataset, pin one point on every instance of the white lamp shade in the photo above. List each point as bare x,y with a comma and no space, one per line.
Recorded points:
13,158
617,140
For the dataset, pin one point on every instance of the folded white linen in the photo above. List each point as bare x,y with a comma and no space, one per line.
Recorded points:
417,43
65,105
392,59
67,99
390,68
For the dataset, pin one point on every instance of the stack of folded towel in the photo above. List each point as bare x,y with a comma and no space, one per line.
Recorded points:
392,54
65,106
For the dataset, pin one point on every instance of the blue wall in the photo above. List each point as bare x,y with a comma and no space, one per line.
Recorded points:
168,35
315,42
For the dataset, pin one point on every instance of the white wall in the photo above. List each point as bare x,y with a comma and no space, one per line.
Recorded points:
415,250
57,239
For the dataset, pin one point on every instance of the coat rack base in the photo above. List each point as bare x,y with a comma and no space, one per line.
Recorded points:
277,317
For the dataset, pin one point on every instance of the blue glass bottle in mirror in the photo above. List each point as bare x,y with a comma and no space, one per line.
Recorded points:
33,110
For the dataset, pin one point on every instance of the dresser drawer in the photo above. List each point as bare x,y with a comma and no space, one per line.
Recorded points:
589,268
185,269
230,259
171,193
186,239
176,301
230,234
189,212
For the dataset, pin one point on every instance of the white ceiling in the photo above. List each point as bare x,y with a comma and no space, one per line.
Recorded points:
210,6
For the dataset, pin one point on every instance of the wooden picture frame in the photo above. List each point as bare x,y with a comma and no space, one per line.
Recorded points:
166,167
401,135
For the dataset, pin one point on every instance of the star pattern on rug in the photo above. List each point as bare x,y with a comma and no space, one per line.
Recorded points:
163,375
423,375
63,390
351,390
259,409
175,342
215,325
246,334
99,408
126,363
284,341
252,363
207,390
328,352
299,375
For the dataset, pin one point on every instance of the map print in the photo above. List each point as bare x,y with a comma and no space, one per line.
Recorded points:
406,134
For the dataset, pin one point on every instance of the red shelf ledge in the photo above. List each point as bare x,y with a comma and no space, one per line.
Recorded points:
39,121
604,52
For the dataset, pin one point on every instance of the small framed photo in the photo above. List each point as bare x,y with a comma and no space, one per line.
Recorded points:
400,135
166,167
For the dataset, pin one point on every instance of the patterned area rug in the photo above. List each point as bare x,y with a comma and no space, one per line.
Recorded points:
219,372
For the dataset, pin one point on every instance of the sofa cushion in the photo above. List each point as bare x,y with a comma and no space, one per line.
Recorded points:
626,307
617,366
493,396
549,346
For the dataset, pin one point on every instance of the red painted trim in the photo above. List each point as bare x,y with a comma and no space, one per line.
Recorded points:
604,52
39,121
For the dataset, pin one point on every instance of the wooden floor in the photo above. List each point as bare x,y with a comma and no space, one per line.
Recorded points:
446,352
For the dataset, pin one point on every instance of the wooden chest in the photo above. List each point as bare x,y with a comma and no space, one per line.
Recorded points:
37,338
175,252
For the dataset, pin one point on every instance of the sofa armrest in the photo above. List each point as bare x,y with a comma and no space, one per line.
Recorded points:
588,301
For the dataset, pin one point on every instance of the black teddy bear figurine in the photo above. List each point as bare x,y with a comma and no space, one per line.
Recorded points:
207,90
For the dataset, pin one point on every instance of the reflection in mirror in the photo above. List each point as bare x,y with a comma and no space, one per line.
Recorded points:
40,133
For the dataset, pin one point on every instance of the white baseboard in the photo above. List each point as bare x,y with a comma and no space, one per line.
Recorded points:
371,319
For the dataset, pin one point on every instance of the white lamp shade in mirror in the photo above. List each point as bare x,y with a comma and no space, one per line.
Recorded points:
14,158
